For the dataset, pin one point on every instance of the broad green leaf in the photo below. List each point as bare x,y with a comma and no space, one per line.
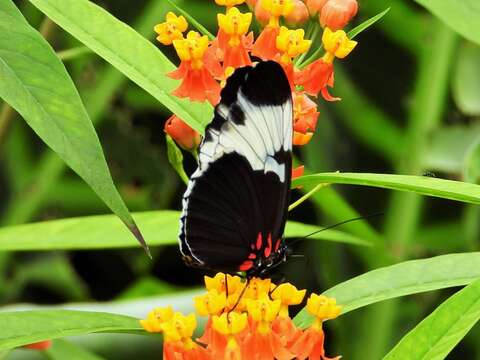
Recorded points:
105,231
406,278
443,329
471,170
448,147
34,82
147,286
424,185
128,51
62,349
26,327
462,16
366,24
466,79
175,158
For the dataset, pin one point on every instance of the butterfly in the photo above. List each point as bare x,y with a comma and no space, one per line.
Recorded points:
235,204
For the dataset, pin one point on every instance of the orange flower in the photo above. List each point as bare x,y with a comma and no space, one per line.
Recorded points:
230,325
310,344
231,37
298,171
305,114
315,6
315,78
299,14
291,44
265,46
337,13
300,139
41,345
197,69
184,135
262,15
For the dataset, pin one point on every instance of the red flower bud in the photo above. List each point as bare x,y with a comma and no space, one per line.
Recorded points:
299,14
41,345
298,171
315,6
251,3
262,15
184,135
337,13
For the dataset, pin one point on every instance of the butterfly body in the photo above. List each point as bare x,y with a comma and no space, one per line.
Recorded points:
235,205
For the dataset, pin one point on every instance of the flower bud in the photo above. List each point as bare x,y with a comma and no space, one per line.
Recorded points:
41,345
315,6
337,13
184,135
299,14
262,15
251,4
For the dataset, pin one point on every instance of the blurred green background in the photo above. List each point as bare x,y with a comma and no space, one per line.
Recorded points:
410,105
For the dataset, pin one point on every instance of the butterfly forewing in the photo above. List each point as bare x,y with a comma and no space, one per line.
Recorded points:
238,196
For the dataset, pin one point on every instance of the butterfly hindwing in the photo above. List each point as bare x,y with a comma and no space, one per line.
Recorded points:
241,186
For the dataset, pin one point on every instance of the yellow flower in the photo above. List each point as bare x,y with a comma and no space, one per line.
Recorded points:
323,307
229,323
263,311
229,3
155,319
291,43
172,29
257,288
288,295
179,327
212,303
192,48
235,24
218,283
278,8
336,44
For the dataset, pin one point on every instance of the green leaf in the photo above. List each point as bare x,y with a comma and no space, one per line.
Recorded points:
175,157
34,82
145,287
26,327
471,171
448,147
402,279
128,51
105,231
443,329
447,189
462,16
466,79
366,24
62,349
192,20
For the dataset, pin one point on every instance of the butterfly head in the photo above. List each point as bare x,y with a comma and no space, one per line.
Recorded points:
268,260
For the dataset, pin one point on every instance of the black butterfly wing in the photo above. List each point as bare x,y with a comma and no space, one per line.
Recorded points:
241,187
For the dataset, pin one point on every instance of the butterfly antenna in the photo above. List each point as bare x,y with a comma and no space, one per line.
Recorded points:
239,298
338,224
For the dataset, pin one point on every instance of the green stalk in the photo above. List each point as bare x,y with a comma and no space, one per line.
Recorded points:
405,208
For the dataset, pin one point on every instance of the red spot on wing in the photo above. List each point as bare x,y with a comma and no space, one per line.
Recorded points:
268,250
259,241
246,265
277,245
252,256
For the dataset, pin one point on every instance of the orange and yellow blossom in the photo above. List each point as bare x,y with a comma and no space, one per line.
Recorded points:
299,14
310,344
265,45
156,318
305,116
336,14
316,76
291,43
229,3
197,70
231,38
172,29
230,325
186,137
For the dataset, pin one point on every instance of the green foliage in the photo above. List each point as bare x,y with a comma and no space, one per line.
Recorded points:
105,231
175,158
26,327
443,329
425,185
462,16
62,349
36,84
122,47
466,79
402,279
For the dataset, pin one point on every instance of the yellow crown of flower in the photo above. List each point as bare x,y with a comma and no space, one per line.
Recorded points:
192,48
291,43
288,295
155,319
229,3
229,323
172,29
235,24
323,307
179,327
336,44
212,303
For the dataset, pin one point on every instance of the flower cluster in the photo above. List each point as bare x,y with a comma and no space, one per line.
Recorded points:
245,321
206,64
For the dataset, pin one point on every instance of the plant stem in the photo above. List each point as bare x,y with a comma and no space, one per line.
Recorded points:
405,208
